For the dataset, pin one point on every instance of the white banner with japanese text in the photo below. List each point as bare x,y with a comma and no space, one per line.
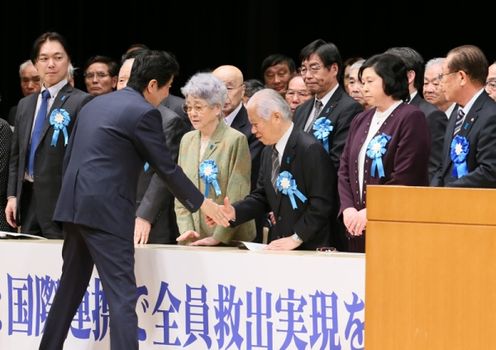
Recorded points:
196,298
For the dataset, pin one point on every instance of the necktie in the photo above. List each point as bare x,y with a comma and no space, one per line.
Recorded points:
317,109
275,166
459,121
37,130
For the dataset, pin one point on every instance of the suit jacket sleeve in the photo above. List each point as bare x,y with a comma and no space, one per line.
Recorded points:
5,139
344,187
151,144
158,194
238,183
437,123
14,160
413,150
184,217
256,203
320,184
340,132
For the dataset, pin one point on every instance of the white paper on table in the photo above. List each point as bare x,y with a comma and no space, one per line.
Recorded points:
254,246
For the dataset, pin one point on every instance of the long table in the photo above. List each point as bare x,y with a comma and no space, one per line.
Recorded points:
196,298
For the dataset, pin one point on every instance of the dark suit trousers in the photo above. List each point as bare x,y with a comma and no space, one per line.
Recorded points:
29,218
114,260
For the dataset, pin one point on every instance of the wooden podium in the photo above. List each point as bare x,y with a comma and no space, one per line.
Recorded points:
430,268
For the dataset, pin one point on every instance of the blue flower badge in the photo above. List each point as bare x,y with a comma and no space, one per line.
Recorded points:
208,173
375,150
322,129
287,185
59,119
458,153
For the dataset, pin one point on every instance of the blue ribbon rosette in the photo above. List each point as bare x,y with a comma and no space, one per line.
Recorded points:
208,172
459,151
287,185
322,128
375,150
59,119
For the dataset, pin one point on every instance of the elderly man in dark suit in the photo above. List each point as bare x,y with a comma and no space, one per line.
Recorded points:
469,153
290,184
114,136
43,128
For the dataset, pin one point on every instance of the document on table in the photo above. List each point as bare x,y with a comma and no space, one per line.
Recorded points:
253,246
4,234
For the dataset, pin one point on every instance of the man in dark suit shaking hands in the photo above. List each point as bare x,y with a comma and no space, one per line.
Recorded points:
115,135
296,180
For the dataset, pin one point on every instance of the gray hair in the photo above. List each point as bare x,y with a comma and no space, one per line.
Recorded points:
434,61
24,65
268,101
207,87
357,64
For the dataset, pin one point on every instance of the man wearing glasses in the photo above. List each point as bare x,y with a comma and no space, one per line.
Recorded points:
469,152
321,67
100,75
491,81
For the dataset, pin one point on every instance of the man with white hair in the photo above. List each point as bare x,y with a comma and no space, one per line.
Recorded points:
297,179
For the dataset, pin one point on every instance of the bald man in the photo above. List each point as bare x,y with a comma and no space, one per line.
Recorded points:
236,116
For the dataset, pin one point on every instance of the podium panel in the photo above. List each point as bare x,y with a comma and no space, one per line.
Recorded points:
430,269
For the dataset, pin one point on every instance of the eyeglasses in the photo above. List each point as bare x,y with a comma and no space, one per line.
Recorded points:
491,84
196,108
442,75
313,68
293,93
99,75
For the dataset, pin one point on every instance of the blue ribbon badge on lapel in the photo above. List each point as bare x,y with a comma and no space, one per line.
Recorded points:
375,150
287,185
459,151
322,128
59,119
208,172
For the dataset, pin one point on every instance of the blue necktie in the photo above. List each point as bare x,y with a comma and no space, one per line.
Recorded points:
38,129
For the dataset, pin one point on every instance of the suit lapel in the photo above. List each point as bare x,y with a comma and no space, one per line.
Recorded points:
215,139
60,100
286,161
331,104
468,123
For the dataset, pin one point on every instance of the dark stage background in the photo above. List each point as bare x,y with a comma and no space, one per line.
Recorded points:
233,32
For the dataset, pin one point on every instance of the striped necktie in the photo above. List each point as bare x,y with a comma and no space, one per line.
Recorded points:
459,121
275,166
317,109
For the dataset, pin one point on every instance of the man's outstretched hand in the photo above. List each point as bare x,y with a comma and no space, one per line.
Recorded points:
228,211
214,213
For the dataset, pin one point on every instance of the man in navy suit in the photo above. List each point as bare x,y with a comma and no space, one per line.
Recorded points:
115,135
304,222
469,153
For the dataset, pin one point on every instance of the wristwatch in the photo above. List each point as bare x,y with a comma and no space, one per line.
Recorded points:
296,238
